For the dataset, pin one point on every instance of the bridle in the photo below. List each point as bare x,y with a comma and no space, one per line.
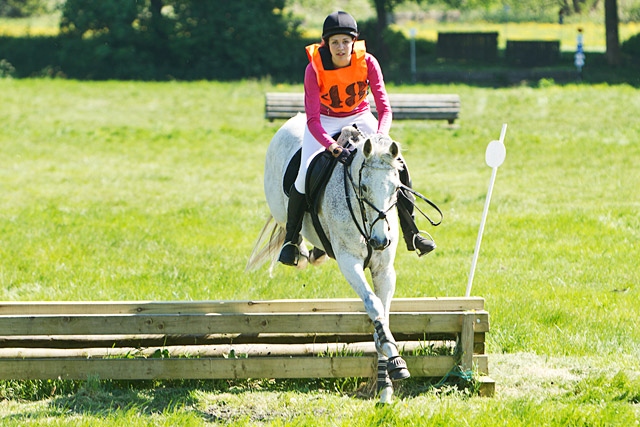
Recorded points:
362,224
365,231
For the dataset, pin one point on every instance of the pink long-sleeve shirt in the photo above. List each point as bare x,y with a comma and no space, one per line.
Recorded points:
314,108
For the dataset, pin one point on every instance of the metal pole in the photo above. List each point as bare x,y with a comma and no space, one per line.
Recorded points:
412,32
495,157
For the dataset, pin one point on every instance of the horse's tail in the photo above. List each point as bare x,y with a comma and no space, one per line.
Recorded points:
267,246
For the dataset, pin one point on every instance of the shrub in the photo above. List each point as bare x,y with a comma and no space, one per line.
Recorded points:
186,39
6,69
28,55
632,46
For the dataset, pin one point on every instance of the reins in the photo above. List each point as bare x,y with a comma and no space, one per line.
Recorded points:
423,198
382,214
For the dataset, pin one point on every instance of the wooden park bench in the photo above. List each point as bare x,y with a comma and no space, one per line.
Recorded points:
326,338
423,106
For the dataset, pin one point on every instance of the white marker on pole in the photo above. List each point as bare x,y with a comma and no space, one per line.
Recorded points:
494,156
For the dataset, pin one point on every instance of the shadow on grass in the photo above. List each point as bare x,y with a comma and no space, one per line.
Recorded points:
106,398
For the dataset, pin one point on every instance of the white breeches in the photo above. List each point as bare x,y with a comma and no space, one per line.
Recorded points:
365,121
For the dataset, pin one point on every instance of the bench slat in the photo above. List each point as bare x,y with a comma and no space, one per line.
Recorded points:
280,105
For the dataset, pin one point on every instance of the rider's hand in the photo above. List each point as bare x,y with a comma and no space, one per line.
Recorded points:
335,149
343,154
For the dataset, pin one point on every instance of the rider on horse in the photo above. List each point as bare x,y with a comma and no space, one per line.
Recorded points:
337,80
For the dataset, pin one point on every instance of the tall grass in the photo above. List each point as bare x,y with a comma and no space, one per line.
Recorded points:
153,191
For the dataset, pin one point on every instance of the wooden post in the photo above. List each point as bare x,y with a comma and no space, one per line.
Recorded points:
466,340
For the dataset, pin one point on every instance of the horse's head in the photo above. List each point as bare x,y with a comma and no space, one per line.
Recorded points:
375,178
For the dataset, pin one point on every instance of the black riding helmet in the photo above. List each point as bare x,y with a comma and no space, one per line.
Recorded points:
339,23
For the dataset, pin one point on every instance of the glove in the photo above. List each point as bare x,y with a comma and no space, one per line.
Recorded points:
346,156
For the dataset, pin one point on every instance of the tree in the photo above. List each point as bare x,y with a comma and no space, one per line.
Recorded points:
113,18
611,24
183,38
21,8
384,8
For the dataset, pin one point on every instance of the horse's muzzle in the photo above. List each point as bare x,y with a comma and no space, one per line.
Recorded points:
379,244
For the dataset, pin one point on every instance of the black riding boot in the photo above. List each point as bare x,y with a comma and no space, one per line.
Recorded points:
410,231
290,252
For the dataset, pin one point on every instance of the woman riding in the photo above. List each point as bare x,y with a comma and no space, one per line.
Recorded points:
337,80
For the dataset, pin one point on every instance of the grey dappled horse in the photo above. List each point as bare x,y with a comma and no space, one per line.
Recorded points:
361,226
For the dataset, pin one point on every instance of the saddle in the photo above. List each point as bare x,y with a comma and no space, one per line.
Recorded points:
318,175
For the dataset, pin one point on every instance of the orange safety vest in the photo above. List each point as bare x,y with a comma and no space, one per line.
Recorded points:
342,89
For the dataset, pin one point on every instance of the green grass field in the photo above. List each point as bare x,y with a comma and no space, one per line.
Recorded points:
153,191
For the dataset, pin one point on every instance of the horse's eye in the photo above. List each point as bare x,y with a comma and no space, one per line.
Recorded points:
364,188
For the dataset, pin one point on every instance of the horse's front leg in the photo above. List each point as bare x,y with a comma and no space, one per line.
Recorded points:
353,270
384,284
384,281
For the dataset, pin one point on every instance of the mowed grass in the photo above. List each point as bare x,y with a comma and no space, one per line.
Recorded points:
153,191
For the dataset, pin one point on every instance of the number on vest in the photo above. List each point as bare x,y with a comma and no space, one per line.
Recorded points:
355,92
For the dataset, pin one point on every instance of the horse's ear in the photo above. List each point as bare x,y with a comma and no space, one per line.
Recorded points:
368,148
394,149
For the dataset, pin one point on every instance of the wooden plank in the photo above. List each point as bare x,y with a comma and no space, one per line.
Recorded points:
156,340
218,368
404,106
466,341
286,323
221,350
297,98
259,306
213,368
481,363
487,386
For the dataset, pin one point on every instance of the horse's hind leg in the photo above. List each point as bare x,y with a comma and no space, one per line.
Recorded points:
317,256
303,259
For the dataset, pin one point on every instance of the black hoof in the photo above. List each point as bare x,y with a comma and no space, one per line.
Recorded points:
397,369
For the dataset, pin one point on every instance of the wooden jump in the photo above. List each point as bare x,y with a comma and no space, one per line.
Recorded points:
326,338
405,106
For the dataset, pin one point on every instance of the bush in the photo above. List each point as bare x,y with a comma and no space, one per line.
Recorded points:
29,55
190,40
632,46
6,69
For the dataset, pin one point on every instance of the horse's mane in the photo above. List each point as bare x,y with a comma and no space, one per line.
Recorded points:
380,146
